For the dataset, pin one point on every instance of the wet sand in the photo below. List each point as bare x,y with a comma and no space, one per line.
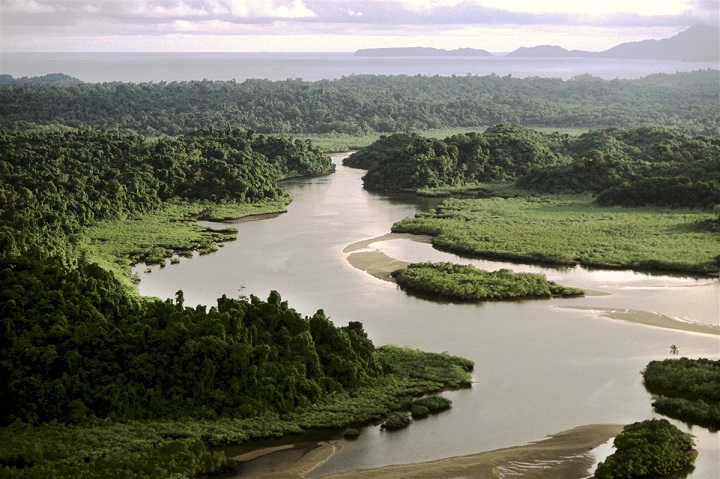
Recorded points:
380,265
377,263
567,454
652,319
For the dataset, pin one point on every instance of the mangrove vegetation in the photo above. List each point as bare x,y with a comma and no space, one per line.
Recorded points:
468,283
686,389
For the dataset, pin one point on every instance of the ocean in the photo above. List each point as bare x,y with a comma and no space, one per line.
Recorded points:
169,67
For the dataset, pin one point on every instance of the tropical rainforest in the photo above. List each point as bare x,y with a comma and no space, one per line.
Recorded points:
628,167
365,103
81,353
100,382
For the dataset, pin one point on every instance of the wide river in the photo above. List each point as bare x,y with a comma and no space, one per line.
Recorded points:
541,367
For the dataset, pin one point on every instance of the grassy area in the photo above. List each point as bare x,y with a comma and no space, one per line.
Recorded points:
467,283
568,230
335,142
173,230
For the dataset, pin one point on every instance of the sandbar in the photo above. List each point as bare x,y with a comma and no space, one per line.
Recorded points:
380,265
567,454
652,319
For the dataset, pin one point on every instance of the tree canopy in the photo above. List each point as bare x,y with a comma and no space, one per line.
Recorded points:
367,103
629,167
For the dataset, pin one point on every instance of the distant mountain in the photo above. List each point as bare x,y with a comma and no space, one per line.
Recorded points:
49,79
697,43
421,52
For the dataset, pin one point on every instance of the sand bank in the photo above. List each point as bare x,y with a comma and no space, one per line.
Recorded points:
380,265
567,454
652,319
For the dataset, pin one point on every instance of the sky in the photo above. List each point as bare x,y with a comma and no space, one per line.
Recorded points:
339,25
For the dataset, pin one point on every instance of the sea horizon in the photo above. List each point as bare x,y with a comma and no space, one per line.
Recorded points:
132,67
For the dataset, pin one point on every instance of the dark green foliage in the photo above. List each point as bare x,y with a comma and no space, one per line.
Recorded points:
466,282
351,433
434,403
365,103
396,420
651,448
642,166
76,345
501,153
157,448
54,183
687,389
57,79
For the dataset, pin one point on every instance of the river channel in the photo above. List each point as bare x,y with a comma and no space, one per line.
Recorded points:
541,367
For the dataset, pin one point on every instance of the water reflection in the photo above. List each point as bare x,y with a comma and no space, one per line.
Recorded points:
540,368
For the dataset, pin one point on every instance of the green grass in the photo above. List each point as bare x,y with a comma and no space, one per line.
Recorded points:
568,230
173,230
340,142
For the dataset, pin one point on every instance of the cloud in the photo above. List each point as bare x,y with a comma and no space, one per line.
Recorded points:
28,21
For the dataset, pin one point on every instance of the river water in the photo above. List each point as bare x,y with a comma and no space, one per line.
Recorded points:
542,367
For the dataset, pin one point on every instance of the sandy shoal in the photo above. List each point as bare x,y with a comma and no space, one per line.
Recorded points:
649,318
567,454
380,265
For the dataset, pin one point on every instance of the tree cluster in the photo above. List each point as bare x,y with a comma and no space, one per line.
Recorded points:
634,167
652,448
367,103
76,344
55,182
502,153
637,167
468,283
686,389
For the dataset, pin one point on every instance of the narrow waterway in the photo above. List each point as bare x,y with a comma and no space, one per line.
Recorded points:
541,366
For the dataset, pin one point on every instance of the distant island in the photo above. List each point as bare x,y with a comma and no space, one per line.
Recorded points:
421,52
699,43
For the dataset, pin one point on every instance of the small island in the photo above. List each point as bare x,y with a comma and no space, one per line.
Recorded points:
468,283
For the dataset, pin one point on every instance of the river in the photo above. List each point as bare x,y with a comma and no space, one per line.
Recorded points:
541,366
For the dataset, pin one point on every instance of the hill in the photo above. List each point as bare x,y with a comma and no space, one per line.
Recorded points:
697,43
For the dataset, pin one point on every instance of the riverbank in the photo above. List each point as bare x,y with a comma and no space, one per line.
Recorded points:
567,454
380,265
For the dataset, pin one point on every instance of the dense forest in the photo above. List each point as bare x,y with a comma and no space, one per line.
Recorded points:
79,347
686,389
54,183
629,167
100,382
365,103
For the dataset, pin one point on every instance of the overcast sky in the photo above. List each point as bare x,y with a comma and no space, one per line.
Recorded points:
339,25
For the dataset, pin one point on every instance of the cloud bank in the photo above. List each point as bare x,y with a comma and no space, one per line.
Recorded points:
332,25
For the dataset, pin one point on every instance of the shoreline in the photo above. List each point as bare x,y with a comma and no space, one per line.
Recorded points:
565,454
380,265
648,318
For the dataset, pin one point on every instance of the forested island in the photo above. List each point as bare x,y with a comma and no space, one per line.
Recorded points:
467,283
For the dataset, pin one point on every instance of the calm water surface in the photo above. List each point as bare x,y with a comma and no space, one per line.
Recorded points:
157,67
541,367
